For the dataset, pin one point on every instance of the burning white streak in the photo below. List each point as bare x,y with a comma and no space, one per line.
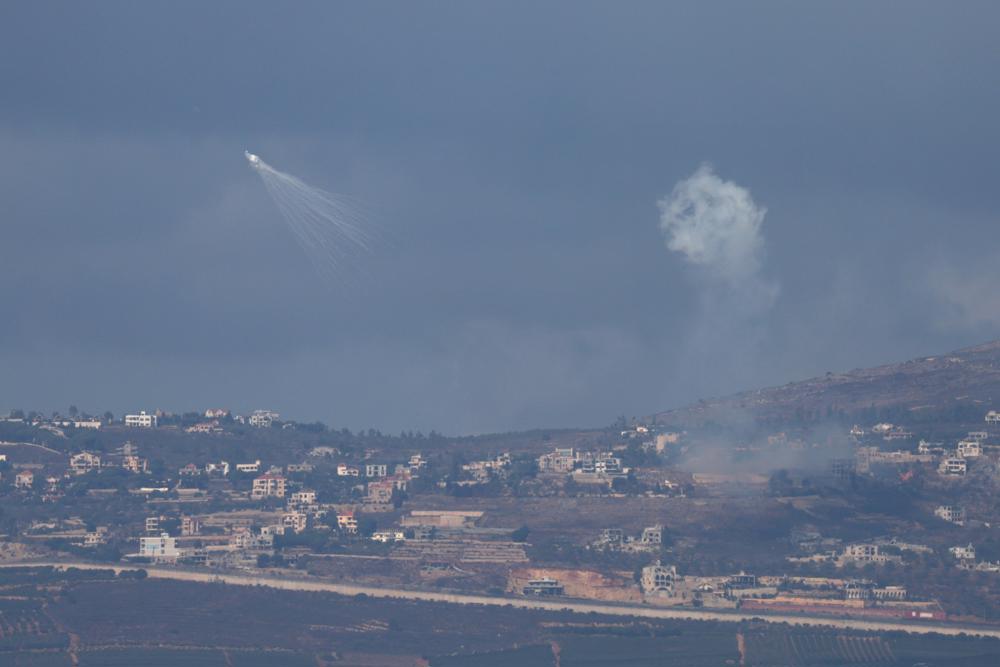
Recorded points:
329,229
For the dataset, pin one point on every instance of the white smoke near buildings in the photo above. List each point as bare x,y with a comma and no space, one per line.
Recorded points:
716,227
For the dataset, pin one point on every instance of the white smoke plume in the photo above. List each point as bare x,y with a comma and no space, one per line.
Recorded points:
716,226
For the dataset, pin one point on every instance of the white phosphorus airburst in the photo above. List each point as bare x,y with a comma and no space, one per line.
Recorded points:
329,229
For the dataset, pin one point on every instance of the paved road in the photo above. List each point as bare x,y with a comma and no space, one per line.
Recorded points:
294,584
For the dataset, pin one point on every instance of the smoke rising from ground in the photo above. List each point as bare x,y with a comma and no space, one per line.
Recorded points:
716,226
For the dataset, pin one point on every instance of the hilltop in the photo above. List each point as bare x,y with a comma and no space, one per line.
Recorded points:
956,384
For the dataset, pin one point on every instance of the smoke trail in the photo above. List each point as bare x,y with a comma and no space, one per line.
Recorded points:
329,229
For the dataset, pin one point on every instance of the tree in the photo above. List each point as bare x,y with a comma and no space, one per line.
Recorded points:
520,534
73,411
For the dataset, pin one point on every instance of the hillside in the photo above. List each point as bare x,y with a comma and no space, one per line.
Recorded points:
961,382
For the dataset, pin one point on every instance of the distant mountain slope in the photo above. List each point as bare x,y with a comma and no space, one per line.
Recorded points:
965,380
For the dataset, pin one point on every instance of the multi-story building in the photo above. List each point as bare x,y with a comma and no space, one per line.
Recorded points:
141,420
295,521
84,462
659,578
969,449
966,553
134,464
951,513
560,460
381,491
268,485
190,525
376,470
954,466
263,418
347,522
302,500
24,479
160,548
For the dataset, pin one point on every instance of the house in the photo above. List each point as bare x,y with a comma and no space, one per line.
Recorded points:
865,553
296,521
560,460
141,420
134,464
153,524
347,522
966,553
652,535
220,468
376,470
84,462
96,537
205,427
543,586
953,466
94,424
268,485
24,479
302,500
263,418
981,436
190,525
658,578
969,449
161,548
216,413
299,467
248,467
344,470
993,417
386,536
381,491
190,470
416,462
951,513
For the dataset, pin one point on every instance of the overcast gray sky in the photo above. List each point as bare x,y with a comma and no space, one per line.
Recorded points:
513,156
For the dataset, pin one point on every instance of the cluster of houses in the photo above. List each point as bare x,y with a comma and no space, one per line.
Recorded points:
951,462
600,467
615,539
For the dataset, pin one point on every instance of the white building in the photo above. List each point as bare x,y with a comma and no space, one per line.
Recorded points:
659,578
141,420
376,470
248,467
87,423
163,547
954,466
84,462
969,449
963,553
993,417
263,418
344,470
951,513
